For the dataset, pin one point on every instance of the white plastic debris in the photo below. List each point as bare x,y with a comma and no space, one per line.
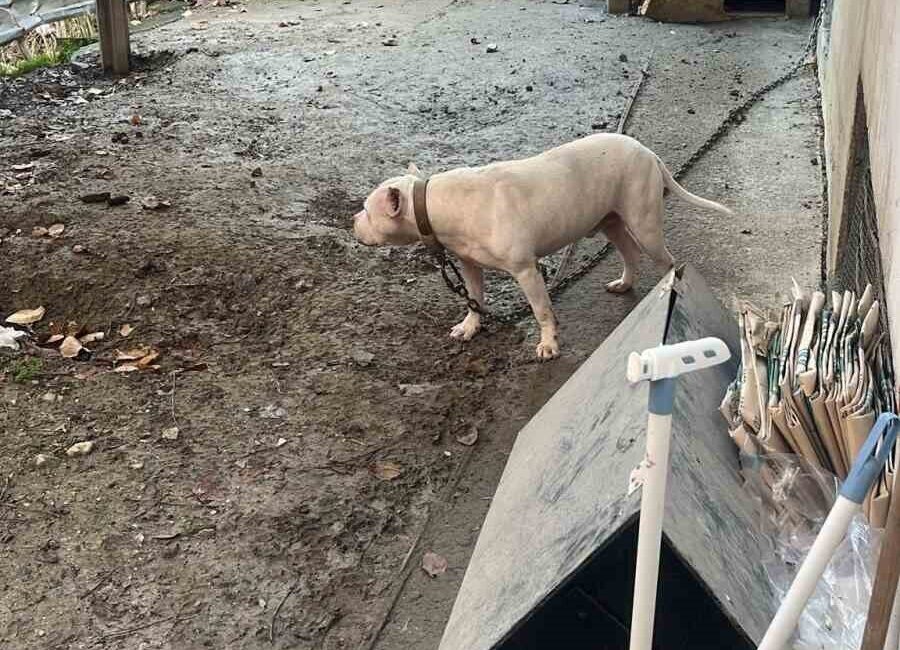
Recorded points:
8,337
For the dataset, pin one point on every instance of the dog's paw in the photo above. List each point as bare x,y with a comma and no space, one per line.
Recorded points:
465,330
618,286
547,350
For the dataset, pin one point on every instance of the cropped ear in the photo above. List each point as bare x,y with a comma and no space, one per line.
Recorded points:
413,170
392,202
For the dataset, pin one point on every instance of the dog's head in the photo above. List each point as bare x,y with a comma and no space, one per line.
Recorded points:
387,216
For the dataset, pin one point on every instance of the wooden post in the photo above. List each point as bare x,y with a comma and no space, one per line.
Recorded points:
618,6
887,572
112,18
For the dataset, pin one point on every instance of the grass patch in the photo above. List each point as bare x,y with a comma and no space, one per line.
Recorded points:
60,53
24,370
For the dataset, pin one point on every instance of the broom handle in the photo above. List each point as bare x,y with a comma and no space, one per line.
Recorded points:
830,537
653,501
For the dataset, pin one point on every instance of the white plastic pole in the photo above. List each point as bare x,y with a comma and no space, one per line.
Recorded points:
832,534
653,502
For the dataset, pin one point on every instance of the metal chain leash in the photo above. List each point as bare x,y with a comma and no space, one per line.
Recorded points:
734,117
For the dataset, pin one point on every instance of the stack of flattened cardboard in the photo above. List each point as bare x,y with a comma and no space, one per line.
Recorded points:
812,381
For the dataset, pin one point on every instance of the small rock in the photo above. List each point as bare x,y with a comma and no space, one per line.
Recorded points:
492,48
814,161
80,449
389,42
50,397
475,41
120,199
691,111
623,58
39,231
153,203
470,438
78,248
598,126
272,412
98,197
281,442
144,301
40,460
363,358
257,172
529,88
746,231
137,465
170,433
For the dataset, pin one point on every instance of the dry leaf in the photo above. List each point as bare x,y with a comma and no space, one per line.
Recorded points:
386,470
73,328
147,360
54,338
135,120
433,564
469,439
132,355
170,434
87,374
126,367
70,347
125,330
56,230
26,316
91,338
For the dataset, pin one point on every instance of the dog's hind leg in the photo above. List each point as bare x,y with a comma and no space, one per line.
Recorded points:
618,235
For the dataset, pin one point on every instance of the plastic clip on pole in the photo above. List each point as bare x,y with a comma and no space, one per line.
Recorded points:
661,366
865,470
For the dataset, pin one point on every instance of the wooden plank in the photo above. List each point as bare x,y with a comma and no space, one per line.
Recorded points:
112,19
887,573
618,6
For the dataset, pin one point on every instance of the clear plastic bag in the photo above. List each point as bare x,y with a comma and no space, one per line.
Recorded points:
794,498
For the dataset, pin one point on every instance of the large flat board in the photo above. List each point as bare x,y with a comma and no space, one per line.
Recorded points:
563,495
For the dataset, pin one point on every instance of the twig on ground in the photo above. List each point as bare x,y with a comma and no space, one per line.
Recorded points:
106,576
138,628
278,610
5,488
174,419
406,568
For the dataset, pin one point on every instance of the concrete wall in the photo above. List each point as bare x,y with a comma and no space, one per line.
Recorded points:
861,40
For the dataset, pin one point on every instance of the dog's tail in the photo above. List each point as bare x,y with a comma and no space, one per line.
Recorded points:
670,182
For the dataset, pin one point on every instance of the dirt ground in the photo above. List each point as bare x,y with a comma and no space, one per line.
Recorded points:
316,394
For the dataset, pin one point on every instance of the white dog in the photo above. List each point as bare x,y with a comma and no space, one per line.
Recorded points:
507,215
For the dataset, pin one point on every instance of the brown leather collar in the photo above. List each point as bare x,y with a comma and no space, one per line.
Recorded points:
420,210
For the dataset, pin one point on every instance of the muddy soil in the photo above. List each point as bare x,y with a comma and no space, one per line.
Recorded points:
316,394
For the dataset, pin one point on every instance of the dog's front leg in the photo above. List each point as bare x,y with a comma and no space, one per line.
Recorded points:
535,290
474,278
